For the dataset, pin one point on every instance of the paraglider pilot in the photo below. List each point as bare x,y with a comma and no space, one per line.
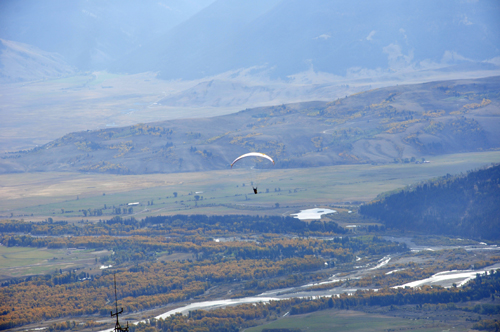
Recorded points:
253,154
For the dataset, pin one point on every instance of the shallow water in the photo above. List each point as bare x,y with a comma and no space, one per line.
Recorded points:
444,279
312,214
448,278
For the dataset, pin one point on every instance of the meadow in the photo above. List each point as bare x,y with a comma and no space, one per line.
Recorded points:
22,261
348,320
62,196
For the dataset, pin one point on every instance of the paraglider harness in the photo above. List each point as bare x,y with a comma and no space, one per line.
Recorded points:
253,154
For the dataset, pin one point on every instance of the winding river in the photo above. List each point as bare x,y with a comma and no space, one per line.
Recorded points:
444,279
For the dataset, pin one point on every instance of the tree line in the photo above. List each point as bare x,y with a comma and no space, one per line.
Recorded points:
180,223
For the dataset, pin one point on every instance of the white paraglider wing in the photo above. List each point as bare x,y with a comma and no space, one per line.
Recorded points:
253,154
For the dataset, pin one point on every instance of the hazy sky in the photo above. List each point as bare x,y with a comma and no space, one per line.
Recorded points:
196,38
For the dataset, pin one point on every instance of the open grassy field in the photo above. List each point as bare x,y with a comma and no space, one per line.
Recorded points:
23,261
37,196
347,321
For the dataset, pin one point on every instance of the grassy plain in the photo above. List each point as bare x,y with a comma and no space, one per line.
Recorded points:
37,196
347,321
22,261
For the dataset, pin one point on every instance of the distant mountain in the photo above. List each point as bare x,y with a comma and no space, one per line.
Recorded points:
91,34
465,205
339,37
234,93
397,124
21,62
190,39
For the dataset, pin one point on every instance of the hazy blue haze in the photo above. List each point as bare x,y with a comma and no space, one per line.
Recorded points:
197,38
331,36
91,34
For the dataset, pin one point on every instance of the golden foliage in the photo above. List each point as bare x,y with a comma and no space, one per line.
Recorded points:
385,102
239,139
213,139
123,148
398,127
434,114
317,141
474,106
413,139
347,156
83,145
469,107
434,127
105,166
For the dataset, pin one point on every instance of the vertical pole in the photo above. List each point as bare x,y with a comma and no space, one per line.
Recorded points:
116,299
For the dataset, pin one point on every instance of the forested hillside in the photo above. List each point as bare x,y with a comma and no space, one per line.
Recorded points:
463,205
396,124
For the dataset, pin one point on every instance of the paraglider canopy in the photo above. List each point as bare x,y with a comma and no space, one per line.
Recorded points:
254,169
252,154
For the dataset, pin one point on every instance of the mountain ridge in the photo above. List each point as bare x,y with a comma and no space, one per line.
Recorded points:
288,37
21,62
397,124
194,39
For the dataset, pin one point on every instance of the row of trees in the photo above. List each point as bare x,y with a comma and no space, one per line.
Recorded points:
245,224
180,224
272,247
